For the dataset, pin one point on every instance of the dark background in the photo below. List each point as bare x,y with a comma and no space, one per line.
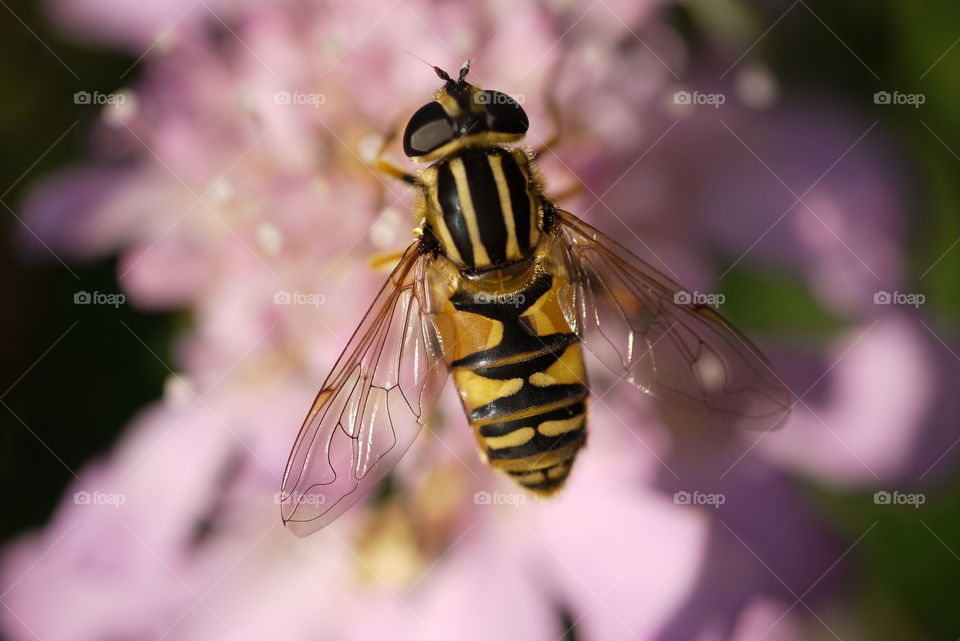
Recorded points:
78,376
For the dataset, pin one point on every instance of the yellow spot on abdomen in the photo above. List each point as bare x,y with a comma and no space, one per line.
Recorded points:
565,370
560,471
465,333
531,479
478,390
558,427
541,380
545,316
513,439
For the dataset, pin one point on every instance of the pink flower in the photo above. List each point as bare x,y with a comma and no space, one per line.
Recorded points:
233,187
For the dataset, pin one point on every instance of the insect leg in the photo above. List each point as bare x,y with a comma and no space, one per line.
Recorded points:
573,190
381,164
553,108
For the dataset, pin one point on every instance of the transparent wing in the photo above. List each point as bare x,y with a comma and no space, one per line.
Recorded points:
370,408
679,352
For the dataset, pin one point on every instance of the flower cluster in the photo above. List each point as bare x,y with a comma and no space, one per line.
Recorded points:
233,183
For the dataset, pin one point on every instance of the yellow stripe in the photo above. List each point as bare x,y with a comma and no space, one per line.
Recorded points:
545,316
506,207
568,368
476,390
513,439
538,461
556,428
523,164
449,104
480,256
541,379
429,177
484,138
560,471
465,333
531,479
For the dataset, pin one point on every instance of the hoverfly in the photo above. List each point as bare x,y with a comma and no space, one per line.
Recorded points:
505,291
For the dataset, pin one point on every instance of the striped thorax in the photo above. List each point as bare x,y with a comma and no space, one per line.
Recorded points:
483,206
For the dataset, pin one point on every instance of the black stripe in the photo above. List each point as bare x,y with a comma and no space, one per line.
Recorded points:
512,344
558,414
467,301
538,445
519,201
518,338
453,213
523,368
486,206
529,396
567,463
545,485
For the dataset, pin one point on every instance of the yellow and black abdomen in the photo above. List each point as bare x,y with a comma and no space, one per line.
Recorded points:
519,371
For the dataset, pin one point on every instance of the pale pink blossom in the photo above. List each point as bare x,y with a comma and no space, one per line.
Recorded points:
236,191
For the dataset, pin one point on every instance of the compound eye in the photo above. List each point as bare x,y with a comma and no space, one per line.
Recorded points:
428,129
504,114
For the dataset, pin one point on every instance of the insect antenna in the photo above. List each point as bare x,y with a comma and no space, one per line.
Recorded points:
440,72
465,69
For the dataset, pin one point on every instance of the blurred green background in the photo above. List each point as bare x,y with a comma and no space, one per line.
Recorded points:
79,373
